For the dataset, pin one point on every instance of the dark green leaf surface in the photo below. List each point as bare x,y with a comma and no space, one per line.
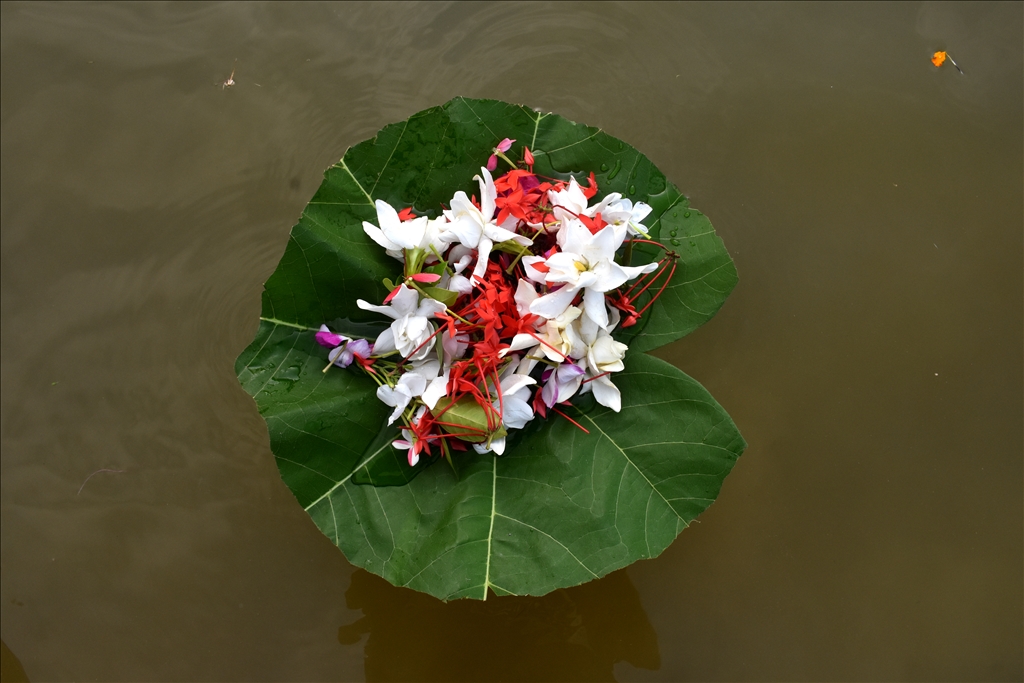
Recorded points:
562,506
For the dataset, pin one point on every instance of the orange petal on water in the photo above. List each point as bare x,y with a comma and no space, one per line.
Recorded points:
938,58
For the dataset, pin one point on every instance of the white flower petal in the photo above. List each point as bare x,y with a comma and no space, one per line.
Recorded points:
554,304
437,388
594,305
385,343
377,235
606,393
383,310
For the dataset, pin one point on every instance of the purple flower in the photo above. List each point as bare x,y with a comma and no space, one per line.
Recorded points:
562,384
344,355
329,339
343,350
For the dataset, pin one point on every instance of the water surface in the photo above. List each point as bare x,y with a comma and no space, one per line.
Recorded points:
871,354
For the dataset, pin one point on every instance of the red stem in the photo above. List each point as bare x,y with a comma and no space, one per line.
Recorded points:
585,430
663,286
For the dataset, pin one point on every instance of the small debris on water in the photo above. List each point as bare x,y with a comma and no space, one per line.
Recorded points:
940,57
230,80
94,474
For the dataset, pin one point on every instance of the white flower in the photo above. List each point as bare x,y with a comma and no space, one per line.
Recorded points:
436,388
459,259
559,339
396,235
586,262
514,405
515,400
623,213
419,380
412,329
453,347
604,355
567,205
530,266
474,227
409,386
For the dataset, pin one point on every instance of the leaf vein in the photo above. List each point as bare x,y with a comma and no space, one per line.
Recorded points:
513,519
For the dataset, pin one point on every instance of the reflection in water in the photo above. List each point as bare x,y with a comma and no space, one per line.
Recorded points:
574,634
11,669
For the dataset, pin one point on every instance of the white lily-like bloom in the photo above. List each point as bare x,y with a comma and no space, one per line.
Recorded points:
515,397
459,259
396,235
586,262
561,336
623,213
558,339
420,380
474,227
567,204
409,386
604,355
411,329
436,389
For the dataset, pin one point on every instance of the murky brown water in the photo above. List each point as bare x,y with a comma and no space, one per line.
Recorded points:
871,354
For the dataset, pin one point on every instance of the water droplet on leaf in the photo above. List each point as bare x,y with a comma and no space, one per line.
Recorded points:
686,214
616,169
675,242
290,374
632,189
604,167
673,233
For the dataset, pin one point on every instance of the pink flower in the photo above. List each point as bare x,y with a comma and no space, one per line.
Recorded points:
329,339
503,146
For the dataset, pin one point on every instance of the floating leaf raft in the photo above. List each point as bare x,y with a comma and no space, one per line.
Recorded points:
562,505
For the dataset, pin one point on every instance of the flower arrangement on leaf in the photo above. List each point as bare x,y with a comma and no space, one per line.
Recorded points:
505,309
498,319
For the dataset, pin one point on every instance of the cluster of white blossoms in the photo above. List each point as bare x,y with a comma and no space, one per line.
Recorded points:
506,309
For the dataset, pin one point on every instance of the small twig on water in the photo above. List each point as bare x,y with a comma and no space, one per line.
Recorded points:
94,474
954,64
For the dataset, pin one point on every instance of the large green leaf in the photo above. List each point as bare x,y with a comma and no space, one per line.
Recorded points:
562,506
